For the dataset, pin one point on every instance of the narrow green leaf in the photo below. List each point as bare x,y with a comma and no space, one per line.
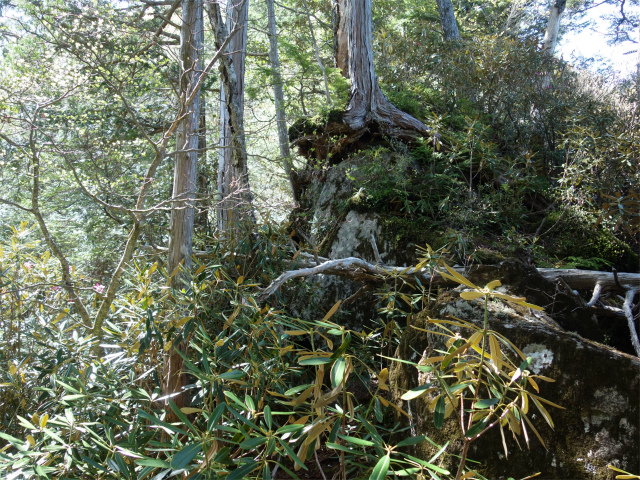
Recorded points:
381,468
337,372
159,422
183,418
267,416
485,403
438,414
411,441
243,471
417,392
357,441
315,361
152,462
253,443
292,454
182,458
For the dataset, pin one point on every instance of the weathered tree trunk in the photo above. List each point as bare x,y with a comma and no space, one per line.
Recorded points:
448,20
367,106
234,195
185,174
204,174
553,26
281,122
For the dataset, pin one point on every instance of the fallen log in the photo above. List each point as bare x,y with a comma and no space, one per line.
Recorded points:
362,271
370,274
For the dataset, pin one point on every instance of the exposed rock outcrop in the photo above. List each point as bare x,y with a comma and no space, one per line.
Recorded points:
598,386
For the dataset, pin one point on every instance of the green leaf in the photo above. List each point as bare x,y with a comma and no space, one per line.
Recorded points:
183,418
411,441
159,422
438,414
430,466
232,375
417,392
343,347
337,372
486,403
294,427
243,471
182,458
215,416
292,454
315,361
476,429
381,468
152,462
267,416
253,442
357,441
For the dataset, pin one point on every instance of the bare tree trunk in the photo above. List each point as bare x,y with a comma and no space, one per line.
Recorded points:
234,195
367,104
185,172
553,26
448,20
203,185
551,34
185,175
281,122
317,52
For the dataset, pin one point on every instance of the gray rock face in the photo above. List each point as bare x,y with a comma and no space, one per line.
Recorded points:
598,387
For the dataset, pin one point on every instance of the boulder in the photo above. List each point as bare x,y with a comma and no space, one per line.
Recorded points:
598,387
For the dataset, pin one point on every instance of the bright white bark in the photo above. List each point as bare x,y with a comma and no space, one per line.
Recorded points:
553,26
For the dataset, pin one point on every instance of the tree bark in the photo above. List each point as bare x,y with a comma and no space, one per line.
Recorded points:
448,20
553,26
234,195
185,171
185,176
367,105
281,122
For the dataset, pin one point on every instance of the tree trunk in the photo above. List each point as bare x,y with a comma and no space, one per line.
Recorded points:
448,20
553,27
204,173
185,176
281,122
368,107
234,195
185,172
317,52
551,35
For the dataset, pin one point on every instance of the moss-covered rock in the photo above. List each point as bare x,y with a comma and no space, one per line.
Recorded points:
576,235
596,386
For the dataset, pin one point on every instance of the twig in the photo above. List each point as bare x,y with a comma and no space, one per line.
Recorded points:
626,307
596,295
315,452
376,253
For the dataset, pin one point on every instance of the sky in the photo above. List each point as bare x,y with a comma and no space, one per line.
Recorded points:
592,42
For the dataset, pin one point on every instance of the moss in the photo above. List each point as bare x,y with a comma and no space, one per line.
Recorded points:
485,256
574,235
308,126
403,231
